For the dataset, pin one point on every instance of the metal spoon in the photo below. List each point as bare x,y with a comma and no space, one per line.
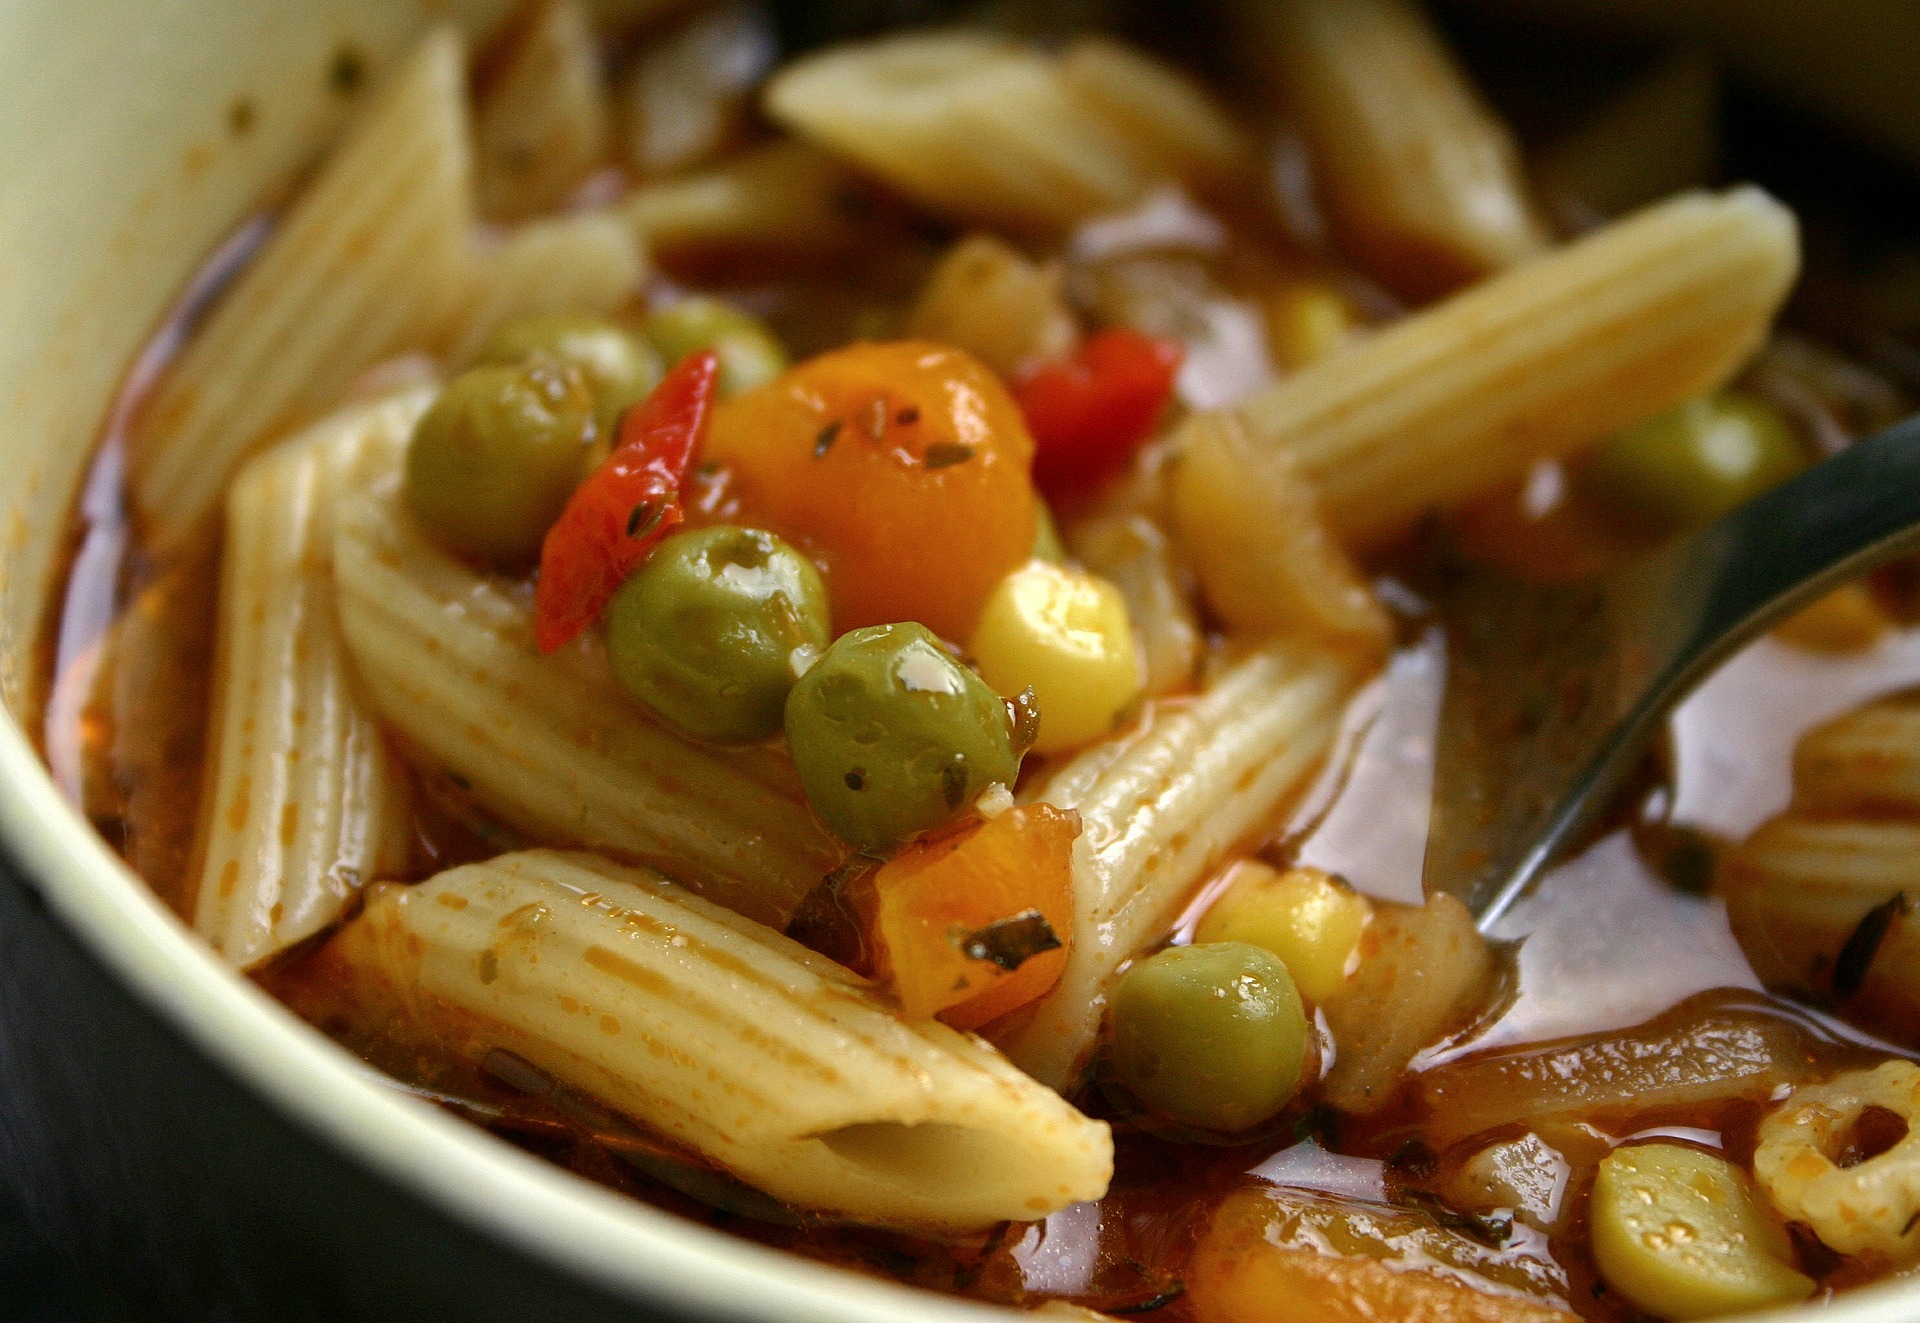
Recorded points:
1581,680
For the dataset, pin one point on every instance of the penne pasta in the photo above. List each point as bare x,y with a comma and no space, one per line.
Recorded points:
303,800
989,299
1171,120
551,745
587,262
1422,180
727,1038
1867,761
784,196
544,122
1614,328
984,129
1799,889
687,94
1252,527
1160,809
373,259
1131,552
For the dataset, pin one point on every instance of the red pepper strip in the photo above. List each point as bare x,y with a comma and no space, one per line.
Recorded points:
1091,410
625,506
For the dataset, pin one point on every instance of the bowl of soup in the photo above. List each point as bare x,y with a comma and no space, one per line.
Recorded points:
729,662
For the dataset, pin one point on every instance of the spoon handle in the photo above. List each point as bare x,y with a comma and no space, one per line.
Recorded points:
1676,615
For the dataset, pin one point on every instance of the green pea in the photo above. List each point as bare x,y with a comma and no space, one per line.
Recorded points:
1689,466
712,631
749,354
1211,1036
492,463
620,368
893,737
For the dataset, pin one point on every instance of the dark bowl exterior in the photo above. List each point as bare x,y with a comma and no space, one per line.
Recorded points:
178,1193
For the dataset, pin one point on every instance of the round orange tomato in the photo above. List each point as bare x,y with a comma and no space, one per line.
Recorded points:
905,469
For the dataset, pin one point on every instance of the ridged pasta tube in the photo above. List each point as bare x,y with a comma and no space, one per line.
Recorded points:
1160,808
590,262
982,128
372,260
1547,358
1798,890
730,1039
1865,762
1423,179
1821,897
1868,1205
303,801
785,196
551,744
545,122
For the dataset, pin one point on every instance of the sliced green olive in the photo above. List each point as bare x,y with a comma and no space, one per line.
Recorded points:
1681,1234
1212,1036
1691,465
749,354
893,737
618,366
492,463
713,630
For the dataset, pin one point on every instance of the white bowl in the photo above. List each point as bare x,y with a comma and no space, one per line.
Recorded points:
187,1138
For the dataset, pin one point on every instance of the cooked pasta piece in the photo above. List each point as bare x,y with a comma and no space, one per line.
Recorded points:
1801,892
588,262
1865,762
981,128
373,259
1131,552
730,1039
303,801
1871,1204
687,94
1550,357
1421,178
1424,972
989,299
544,122
1160,808
785,196
1252,527
551,744
1171,120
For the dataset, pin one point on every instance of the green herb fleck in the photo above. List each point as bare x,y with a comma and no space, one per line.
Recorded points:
945,454
1009,943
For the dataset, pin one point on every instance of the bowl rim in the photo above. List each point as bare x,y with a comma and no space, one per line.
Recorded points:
637,1252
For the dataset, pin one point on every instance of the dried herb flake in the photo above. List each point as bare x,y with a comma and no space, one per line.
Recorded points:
1009,943
1863,944
1160,1301
1493,1232
646,517
945,454
824,442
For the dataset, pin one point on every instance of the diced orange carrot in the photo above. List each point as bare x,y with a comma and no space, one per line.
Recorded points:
905,469
945,910
1240,1275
